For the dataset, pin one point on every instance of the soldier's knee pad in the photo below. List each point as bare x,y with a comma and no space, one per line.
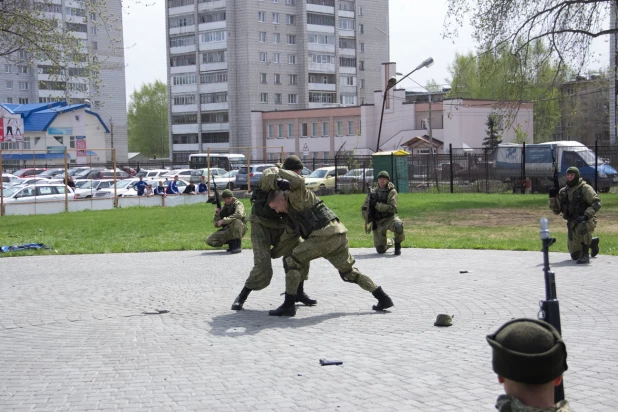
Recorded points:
398,226
381,249
350,276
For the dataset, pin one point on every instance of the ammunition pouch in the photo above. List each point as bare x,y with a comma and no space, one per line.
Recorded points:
227,211
314,218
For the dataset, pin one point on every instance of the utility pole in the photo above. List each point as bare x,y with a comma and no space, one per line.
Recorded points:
431,158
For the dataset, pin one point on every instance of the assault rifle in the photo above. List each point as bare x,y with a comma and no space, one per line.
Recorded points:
370,210
550,309
217,200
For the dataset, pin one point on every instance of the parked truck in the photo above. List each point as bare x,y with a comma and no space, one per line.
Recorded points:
544,159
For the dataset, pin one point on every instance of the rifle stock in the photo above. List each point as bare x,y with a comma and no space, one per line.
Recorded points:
550,307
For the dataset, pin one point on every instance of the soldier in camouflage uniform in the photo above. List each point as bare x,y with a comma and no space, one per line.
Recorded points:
384,199
323,234
578,203
529,357
272,238
231,219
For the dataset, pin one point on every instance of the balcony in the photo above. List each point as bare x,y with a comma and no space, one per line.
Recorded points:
215,127
175,11
345,13
324,48
320,9
182,49
182,69
326,87
347,52
215,25
211,5
321,67
214,45
184,108
214,107
213,87
184,128
184,88
186,147
182,30
347,33
320,29
347,70
207,67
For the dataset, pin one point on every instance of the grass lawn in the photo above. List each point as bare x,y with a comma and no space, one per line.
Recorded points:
442,221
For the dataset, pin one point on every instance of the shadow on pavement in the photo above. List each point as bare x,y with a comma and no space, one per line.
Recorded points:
251,322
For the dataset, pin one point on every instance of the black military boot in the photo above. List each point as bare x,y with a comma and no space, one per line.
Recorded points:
302,297
229,245
384,301
240,299
236,246
287,309
584,258
397,248
594,247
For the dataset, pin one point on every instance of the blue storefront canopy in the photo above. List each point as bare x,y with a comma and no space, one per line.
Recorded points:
33,156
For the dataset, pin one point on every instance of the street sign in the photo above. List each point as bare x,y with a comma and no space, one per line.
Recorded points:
306,149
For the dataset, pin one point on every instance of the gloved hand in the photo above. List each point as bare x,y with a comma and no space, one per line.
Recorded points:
553,192
580,219
284,184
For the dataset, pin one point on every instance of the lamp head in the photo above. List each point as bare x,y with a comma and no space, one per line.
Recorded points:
426,63
391,82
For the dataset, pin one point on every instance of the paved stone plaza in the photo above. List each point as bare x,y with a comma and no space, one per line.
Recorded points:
73,335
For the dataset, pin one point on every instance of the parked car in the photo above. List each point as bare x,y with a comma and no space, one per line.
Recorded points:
44,192
250,174
91,187
30,172
196,175
129,170
87,173
152,174
123,187
225,181
181,173
109,174
73,171
305,172
357,176
27,181
324,177
7,178
50,173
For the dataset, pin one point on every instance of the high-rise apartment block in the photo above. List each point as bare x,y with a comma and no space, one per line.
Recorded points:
101,35
229,58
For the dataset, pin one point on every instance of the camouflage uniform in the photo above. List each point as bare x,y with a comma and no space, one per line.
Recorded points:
328,239
508,403
580,199
234,226
386,218
269,229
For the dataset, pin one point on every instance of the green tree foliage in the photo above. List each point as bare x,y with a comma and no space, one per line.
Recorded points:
493,138
501,76
147,120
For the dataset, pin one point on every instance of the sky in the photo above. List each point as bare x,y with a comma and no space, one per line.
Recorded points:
415,33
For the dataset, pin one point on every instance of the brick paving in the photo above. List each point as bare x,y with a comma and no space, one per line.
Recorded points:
73,335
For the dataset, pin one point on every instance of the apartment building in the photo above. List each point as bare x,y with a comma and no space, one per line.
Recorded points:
229,59
101,35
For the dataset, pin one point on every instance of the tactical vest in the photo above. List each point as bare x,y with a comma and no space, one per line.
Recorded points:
227,211
575,207
259,206
314,218
382,197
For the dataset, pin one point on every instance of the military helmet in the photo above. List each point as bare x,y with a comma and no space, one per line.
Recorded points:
443,320
528,351
227,193
293,163
385,174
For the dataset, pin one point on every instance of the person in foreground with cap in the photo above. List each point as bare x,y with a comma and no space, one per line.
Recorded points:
324,236
529,357
578,203
231,219
384,199
271,238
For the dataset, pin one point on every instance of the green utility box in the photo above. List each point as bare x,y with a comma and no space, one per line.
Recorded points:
396,164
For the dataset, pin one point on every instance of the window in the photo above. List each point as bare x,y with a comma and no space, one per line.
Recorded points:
261,16
290,130
362,85
184,139
276,58
217,137
184,99
9,84
314,129
348,99
93,16
316,38
275,18
262,37
277,98
22,69
345,43
213,77
270,131
276,38
361,65
347,62
350,128
326,154
322,58
289,2
324,128
7,68
292,99
362,47
346,24
290,19
360,10
339,131
218,97
361,28
322,97
293,78
27,143
291,39
291,59
275,1
93,30
179,3
280,131
263,57
183,79
187,118
346,5
321,19
24,100
217,56
211,17
10,100
95,45
303,130
277,78
263,97
263,78
212,36
185,60
215,117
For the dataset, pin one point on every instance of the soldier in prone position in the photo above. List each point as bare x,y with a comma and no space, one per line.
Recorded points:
381,207
231,219
323,234
272,238
578,203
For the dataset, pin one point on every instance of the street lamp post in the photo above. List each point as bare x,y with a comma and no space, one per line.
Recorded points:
392,82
